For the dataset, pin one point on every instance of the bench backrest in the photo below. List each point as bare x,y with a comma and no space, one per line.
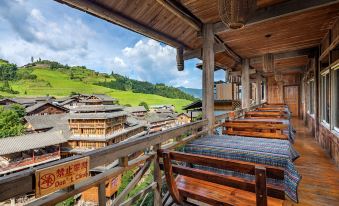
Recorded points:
266,114
258,185
260,129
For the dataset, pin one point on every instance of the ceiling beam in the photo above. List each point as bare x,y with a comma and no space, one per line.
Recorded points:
277,11
238,73
121,20
218,48
217,66
285,55
183,13
227,49
287,70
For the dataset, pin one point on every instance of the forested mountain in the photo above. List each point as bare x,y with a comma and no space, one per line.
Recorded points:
124,83
44,77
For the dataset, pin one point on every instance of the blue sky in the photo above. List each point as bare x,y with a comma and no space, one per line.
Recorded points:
49,30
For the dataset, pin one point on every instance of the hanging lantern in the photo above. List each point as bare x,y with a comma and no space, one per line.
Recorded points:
268,62
234,13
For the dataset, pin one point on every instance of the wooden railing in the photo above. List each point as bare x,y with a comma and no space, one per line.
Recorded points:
24,182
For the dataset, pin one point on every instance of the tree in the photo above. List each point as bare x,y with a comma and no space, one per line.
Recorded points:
145,105
10,123
20,110
32,59
7,71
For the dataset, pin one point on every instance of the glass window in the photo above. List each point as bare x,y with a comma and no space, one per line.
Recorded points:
325,97
336,99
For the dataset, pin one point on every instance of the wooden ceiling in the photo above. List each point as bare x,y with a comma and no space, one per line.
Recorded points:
292,25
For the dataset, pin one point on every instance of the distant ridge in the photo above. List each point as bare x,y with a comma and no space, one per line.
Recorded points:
197,93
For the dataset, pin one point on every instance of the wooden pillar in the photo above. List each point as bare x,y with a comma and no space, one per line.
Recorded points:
316,63
102,194
258,81
245,84
157,178
208,76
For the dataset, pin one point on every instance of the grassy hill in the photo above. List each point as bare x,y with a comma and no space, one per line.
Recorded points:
62,82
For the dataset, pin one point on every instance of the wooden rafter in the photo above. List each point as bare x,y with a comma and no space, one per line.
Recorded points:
279,10
121,20
180,11
218,48
284,55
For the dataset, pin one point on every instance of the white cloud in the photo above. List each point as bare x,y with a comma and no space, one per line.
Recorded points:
32,30
35,35
148,60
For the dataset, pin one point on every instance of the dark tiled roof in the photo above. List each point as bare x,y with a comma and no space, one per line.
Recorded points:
97,115
36,106
135,109
96,108
154,117
30,141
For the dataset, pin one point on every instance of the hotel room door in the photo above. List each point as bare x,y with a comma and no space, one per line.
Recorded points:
291,98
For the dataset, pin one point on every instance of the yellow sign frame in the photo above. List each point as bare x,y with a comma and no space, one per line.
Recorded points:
60,176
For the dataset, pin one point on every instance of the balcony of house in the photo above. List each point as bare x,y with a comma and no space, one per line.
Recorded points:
25,159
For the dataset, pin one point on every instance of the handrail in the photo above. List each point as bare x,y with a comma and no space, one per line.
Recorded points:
24,182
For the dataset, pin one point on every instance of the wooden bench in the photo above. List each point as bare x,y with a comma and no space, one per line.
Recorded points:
266,114
274,109
218,189
260,129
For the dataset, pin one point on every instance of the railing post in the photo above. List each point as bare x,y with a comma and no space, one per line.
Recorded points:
260,186
102,194
157,178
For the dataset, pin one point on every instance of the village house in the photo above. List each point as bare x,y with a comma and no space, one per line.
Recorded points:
159,122
182,118
155,108
43,123
29,101
25,151
138,111
7,101
98,99
45,108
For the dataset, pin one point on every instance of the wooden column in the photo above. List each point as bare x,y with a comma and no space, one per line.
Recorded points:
157,178
258,81
102,194
245,83
317,76
208,75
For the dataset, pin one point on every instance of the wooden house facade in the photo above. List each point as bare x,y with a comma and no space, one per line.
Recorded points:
45,108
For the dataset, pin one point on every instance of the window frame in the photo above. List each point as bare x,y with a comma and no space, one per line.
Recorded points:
323,98
334,86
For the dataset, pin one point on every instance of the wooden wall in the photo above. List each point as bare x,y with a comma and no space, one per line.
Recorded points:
275,90
330,142
310,123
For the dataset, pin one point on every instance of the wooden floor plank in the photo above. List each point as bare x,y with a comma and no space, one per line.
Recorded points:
320,177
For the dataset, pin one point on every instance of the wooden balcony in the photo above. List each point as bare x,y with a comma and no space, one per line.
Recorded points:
24,163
